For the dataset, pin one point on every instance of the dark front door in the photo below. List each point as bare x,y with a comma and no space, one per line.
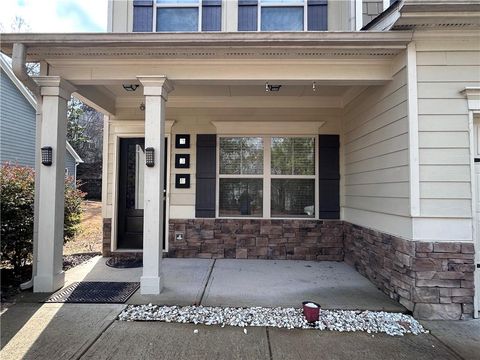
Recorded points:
130,193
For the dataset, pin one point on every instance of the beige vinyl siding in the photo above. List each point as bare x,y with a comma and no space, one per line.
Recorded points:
444,145
376,158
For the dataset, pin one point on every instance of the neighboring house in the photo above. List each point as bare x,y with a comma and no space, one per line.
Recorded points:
280,130
17,124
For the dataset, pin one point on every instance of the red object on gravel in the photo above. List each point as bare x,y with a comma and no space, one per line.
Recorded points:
311,311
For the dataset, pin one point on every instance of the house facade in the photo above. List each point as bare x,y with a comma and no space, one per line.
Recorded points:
279,130
17,125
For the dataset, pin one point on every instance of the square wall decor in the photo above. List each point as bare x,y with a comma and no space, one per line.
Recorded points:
182,181
182,161
182,141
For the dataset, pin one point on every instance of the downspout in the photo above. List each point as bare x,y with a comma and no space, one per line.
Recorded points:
20,71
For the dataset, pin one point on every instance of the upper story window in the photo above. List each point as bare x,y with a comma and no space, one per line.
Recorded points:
177,15
282,15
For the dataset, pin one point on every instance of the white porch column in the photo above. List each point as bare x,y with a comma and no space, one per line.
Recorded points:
49,274
156,89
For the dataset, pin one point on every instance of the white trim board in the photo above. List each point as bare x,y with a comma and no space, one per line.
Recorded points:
268,127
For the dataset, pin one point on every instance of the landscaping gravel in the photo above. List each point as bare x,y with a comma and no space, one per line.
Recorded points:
394,324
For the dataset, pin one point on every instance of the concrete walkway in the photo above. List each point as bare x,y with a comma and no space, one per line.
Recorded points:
32,330
73,331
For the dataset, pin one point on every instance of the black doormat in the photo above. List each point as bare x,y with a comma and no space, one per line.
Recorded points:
95,292
123,262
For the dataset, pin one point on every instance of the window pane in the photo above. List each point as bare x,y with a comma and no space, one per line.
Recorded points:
282,18
292,197
293,156
241,197
177,19
177,1
241,155
282,1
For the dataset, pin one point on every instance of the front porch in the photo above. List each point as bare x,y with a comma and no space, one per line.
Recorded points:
248,283
332,166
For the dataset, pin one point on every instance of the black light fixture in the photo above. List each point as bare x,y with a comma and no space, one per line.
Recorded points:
150,156
314,86
47,158
142,107
130,87
273,88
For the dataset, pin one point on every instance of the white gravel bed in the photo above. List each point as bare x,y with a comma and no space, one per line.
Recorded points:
394,324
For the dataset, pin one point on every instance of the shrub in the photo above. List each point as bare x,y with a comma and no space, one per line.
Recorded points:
17,185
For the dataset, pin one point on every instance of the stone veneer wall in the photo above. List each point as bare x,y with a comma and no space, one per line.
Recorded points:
257,239
107,237
434,280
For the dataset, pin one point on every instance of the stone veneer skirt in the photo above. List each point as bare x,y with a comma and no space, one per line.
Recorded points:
434,280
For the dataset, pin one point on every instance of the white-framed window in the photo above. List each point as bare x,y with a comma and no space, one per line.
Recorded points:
177,15
282,15
267,176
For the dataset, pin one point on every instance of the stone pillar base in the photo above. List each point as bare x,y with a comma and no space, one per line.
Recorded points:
434,280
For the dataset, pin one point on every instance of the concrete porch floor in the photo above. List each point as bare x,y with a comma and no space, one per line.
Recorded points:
228,282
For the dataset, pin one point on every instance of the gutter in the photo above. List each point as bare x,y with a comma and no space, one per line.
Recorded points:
19,59
20,71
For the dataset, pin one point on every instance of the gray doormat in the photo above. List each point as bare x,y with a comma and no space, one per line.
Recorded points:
95,292
122,262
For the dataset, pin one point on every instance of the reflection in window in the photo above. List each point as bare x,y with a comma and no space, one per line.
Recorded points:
293,156
139,171
241,156
177,19
275,18
241,197
293,197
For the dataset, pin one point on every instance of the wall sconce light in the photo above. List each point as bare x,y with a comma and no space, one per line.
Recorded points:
273,88
314,86
150,156
142,106
130,87
47,157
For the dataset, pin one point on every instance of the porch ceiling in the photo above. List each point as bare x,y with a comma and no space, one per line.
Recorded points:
218,69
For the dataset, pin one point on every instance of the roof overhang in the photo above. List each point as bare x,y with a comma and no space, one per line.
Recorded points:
206,45
74,154
428,14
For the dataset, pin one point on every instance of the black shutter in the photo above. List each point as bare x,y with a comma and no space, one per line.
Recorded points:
142,15
212,15
329,176
317,15
247,15
206,176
